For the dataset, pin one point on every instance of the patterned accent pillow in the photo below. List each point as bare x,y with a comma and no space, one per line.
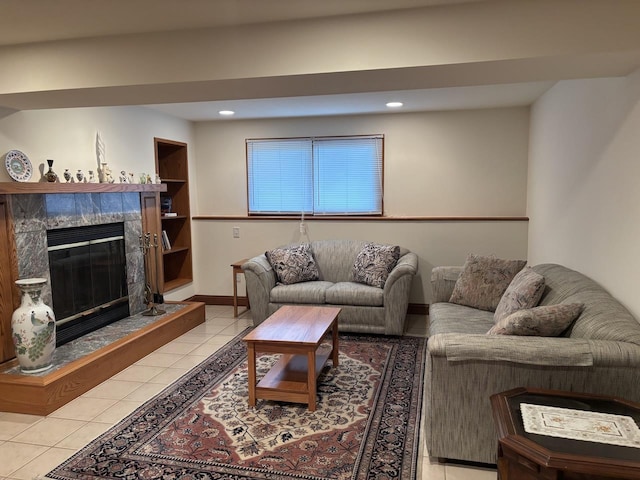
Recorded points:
484,280
293,264
545,321
374,263
524,291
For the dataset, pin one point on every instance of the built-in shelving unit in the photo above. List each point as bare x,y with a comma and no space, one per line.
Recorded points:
172,167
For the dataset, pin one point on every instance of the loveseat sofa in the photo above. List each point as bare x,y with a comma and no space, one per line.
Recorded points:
365,308
599,353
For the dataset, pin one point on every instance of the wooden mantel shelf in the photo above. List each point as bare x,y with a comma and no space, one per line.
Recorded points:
13,188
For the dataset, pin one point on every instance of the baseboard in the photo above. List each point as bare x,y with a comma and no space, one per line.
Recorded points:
418,309
412,309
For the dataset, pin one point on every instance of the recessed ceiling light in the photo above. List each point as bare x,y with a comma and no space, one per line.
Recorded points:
226,112
394,104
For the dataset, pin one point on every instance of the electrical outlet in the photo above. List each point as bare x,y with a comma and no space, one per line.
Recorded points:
303,228
236,232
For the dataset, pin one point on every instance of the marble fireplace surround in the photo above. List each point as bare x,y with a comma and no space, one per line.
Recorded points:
34,214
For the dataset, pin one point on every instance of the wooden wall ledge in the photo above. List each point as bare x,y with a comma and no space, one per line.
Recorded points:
14,188
347,218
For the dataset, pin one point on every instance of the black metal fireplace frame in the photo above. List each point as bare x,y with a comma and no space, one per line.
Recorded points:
96,316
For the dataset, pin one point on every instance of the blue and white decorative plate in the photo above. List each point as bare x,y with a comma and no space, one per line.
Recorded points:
18,166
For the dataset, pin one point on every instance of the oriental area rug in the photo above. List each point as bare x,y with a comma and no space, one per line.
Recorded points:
366,425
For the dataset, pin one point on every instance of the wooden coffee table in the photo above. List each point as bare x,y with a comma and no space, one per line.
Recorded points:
296,332
529,456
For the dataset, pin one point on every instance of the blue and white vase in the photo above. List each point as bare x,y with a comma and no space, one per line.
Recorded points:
33,327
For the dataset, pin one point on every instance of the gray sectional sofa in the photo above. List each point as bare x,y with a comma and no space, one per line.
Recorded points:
365,309
599,353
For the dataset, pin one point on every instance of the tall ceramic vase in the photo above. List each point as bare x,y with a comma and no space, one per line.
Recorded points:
34,328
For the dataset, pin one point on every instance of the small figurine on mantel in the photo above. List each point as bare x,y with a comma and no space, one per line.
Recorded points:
104,172
50,175
123,177
92,178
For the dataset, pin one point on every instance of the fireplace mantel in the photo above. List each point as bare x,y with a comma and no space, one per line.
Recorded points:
15,188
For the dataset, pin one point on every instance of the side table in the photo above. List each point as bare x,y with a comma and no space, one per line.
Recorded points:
237,268
530,456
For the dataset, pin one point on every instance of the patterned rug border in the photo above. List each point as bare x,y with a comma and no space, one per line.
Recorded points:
125,437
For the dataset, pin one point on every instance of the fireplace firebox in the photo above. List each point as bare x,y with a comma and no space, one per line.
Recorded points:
88,278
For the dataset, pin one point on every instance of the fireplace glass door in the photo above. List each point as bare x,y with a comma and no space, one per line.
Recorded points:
88,278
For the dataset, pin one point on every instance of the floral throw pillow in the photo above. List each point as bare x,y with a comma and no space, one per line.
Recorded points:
524,291
293,264
484,280
374,263
545,321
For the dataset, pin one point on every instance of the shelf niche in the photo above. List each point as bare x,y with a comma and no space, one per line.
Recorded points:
172,167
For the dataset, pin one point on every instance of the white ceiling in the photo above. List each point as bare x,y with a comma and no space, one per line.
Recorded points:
487,96
28,21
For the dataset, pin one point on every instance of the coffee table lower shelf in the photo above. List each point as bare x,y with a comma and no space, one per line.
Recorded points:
288,378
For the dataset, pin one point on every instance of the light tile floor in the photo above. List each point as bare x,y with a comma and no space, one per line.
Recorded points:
32,445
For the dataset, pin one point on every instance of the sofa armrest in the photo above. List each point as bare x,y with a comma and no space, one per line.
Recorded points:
611,353
260,278
550,351
407,265
443,279
396,293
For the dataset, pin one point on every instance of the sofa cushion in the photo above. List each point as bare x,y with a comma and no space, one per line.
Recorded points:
523,292
484,280
351,293
374,263
305,292
545,321
451,318
293,264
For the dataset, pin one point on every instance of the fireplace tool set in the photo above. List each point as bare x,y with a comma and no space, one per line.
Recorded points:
151,298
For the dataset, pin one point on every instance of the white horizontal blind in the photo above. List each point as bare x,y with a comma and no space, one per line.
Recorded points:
280,176
322,176
347,175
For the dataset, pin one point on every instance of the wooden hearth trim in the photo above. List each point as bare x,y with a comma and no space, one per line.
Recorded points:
41,395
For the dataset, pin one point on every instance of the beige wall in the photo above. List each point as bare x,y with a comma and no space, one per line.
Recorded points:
583,195
68,137
436,164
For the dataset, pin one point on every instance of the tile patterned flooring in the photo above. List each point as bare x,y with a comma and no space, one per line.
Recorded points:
31,445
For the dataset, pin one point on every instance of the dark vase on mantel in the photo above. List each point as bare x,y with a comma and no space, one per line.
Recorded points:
50,175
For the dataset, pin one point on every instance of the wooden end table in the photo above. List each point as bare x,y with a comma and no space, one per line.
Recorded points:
528,456
237,268
296,332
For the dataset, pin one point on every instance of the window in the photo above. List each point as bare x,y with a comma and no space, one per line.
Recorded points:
318,176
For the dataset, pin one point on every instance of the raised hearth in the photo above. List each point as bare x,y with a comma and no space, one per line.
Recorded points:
82,364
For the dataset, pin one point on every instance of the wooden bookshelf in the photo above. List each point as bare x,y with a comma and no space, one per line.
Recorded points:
172,166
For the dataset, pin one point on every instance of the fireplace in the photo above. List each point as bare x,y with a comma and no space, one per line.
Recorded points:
37,217
88,271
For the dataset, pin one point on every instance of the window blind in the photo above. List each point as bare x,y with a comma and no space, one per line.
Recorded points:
280,176
321,176
347,175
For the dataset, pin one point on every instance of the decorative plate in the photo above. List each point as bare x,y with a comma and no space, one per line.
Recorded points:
18,166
